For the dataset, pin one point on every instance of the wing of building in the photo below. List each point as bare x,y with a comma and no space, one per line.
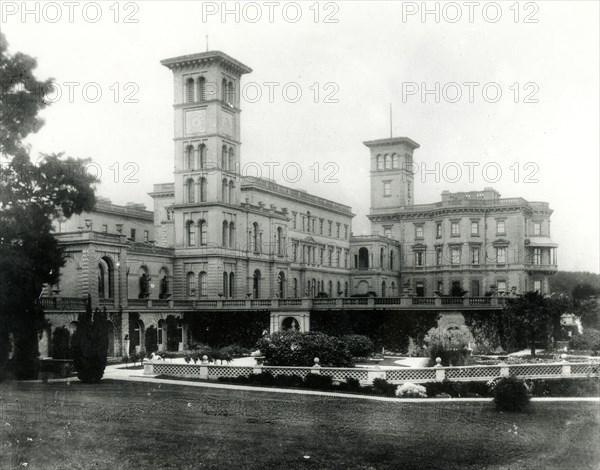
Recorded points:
215,234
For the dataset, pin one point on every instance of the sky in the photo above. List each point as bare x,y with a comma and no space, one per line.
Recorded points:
498,94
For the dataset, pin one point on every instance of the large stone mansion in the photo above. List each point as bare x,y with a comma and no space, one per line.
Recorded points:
214,235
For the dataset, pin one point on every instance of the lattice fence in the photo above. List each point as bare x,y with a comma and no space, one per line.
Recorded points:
176,370
585,369
410,375
214,372
537,370
298,371
344,374
470,373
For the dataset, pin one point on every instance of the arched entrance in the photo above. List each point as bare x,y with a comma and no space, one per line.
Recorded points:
290,323
363,258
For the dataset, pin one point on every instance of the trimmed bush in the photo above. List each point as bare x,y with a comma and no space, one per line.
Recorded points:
410,390
589,340
511,394
288,381
358,345
90,345
264,378
291,348
318,382
382,387
60,343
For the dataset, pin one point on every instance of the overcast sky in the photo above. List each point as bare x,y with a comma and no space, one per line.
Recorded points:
541,133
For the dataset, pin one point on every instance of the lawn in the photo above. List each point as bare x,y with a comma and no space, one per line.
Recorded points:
132,425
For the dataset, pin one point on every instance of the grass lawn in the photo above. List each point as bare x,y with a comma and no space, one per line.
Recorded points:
132,425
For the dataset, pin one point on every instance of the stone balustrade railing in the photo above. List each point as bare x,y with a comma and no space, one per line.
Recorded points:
366,375
438,303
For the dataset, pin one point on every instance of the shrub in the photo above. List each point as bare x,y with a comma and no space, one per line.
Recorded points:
291,348
234,350
288,381
358,345
382,387
589,340
451,346
352,383
318,381
410,390
90,344
264,378
60,343
511,394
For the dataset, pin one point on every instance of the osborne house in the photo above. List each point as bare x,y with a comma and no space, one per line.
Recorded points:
216,241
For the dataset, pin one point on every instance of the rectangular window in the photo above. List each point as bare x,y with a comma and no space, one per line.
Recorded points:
338,230
345,232
330,223
537,286
455,228
387,189
440,286
313,225
501,287
418,231
105,228
474,255
321,226
537,256
438,230
474,227
537,228
438,256
146,236
294,217
455,255
132,234
419,255
387,232
501,255
500,227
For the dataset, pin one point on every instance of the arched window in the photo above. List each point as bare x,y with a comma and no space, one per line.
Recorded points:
256,284
231,159
383,289
225,233
189,157
224,90
201,89
392,254
231,235
395,161
330,288
224,158
231,192
295,287
190,90
379,162
363,258
191,233
381,258
191,285
388,161
393,286
339,288
255,241
279,242
345,289
202,152
106,274
160,333
144,282
203,189
190,190
225,285
225,191
231,285
101,276
314,287
281,284
203,292
163,292
203,232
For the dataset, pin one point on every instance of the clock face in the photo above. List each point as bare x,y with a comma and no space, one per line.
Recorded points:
195,121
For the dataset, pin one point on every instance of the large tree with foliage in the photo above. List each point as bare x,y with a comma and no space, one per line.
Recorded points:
32,195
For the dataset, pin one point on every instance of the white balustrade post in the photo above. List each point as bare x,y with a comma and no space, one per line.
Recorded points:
504,369
148,368
204,368
566,365
440,373
316,368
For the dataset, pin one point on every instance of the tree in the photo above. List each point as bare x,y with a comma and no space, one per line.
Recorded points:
32,195
537,316
90,344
